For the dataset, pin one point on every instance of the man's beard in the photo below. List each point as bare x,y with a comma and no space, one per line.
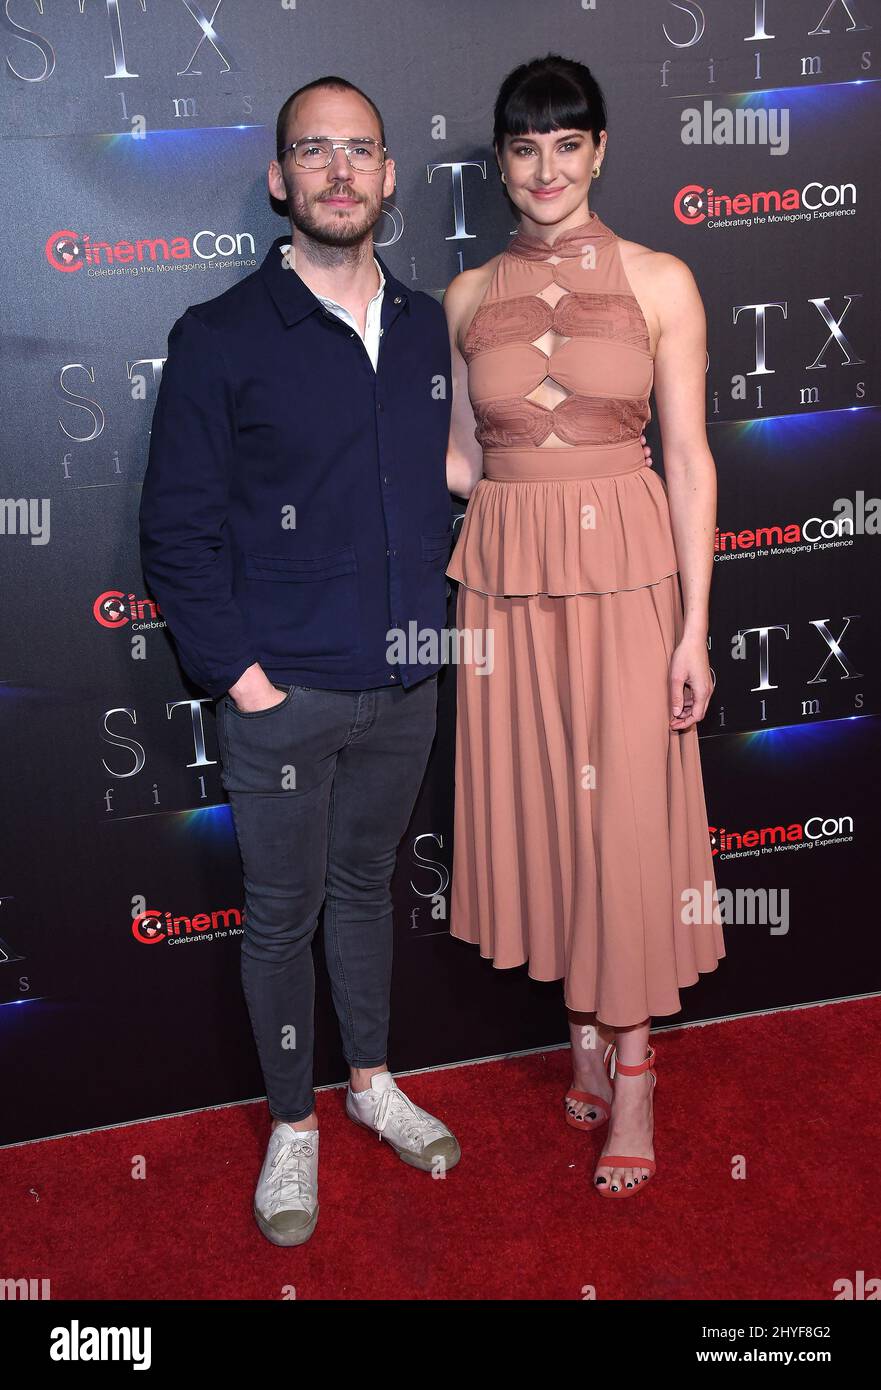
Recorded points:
346,230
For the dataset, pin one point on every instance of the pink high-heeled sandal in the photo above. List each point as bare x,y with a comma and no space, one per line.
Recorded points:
576,1121
625,1160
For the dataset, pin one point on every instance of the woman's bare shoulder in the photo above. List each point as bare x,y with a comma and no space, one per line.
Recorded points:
466,289
665,287
659,269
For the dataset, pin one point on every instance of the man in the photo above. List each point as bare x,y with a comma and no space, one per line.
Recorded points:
294,511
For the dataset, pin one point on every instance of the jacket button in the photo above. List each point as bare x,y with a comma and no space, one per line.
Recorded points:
397,301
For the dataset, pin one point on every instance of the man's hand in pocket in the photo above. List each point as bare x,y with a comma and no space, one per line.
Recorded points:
254,691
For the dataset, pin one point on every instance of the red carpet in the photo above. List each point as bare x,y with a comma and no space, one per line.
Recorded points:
794,1093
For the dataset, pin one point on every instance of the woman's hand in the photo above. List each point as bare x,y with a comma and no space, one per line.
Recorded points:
691,683
646,449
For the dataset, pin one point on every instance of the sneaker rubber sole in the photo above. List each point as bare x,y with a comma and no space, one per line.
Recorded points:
415,1160
286,1237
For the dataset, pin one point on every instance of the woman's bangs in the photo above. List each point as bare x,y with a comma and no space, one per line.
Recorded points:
542,108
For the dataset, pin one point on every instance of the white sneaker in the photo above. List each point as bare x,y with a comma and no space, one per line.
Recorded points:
417,1137
286,1200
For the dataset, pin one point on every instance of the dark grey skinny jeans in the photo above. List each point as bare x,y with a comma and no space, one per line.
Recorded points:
322,787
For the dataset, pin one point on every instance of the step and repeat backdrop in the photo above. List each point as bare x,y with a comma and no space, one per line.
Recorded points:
743,137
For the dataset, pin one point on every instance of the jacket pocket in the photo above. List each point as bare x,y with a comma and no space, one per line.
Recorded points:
305,607
436,547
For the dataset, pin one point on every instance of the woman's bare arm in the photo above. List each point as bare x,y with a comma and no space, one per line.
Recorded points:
680,395
464,454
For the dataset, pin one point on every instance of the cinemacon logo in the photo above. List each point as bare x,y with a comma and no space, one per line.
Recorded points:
113,608
694,203
67,250
153,926
814,829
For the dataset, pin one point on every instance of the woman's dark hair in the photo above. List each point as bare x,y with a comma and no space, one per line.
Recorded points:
550,93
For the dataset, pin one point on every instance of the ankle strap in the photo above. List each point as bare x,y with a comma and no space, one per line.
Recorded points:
629,1068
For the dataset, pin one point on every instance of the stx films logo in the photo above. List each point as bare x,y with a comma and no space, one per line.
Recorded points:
434,894
771,28
224,60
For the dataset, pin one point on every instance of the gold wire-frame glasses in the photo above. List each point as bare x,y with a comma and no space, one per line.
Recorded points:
366,156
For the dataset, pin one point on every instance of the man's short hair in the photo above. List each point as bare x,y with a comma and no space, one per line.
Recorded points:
339,84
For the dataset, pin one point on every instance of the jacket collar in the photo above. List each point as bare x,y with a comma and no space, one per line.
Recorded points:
294,299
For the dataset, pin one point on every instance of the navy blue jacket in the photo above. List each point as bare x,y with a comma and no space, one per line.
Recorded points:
295,505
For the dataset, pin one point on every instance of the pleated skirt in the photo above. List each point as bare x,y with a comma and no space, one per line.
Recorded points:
580,824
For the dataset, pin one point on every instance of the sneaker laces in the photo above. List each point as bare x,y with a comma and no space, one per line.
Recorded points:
394,1104
290,1171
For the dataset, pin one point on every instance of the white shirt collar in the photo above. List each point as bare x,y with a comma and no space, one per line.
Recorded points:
332,303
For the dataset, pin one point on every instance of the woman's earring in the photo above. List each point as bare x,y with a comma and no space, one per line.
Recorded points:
596,171
502,177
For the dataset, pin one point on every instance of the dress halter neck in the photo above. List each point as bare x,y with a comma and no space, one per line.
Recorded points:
566,244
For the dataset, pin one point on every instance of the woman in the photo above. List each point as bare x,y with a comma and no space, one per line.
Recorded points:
580,821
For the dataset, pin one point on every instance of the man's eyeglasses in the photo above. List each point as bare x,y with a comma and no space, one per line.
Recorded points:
366,156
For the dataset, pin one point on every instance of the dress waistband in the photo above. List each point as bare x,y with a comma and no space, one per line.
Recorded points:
562,465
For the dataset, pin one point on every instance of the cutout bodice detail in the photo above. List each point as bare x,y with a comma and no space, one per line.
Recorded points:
560,372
